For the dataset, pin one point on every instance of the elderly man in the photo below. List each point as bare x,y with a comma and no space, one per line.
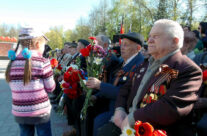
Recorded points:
163,90
130,52
103,41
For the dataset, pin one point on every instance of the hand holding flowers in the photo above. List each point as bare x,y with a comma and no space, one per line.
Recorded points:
94,55
93,83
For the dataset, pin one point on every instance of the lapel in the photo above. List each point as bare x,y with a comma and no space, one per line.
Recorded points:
132,65
171,62
72,59
138,59
127,72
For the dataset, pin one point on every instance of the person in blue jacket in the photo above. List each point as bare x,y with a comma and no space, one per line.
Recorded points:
132,57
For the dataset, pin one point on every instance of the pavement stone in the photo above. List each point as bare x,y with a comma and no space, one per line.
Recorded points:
8,127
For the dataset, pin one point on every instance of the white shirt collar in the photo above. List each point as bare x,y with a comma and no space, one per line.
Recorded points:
129,59
74,54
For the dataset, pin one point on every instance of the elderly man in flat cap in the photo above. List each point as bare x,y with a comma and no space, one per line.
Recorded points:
163,91
130,52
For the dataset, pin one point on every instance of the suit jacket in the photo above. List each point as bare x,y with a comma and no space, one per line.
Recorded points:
172,110
72,60
110,91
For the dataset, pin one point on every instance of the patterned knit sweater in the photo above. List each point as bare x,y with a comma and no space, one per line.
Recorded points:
31,100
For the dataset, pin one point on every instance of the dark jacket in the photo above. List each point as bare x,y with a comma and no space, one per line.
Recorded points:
109,90
172,110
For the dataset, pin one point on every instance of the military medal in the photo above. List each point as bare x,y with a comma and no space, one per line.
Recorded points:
138,76
142,70
124,78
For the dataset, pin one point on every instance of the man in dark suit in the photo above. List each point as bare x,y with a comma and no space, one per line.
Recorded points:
75,105
132,58
163,91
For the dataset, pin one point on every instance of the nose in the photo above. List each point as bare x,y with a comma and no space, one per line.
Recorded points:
150,40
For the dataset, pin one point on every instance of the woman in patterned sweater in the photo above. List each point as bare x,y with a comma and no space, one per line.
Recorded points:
30,78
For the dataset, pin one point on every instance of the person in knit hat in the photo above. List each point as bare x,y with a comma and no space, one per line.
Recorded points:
30,78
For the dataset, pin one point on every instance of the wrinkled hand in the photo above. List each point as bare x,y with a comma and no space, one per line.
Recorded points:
93,83
119,117
124,123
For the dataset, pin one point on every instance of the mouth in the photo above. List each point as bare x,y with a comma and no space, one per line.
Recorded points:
151,46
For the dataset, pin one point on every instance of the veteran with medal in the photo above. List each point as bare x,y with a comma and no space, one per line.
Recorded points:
132,58
163,90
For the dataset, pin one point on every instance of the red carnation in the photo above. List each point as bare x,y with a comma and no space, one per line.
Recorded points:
85,52
71,93
75,76
204,75
70,69
59,67
92,38
53,63
89,47
65,85
66,77
143,129
115,51
74,86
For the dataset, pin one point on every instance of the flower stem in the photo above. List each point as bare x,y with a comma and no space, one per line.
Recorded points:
86,104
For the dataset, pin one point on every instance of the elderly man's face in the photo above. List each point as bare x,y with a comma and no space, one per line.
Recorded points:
159,41
128,48
66,49
98,41
80,46
73,50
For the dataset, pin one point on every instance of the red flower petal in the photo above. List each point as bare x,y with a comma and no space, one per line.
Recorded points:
59,67
143,129
92,38
136,126
53,63
74,85
85,52
204,75
159,133
66,77
148,129
89,47
70,69
65,85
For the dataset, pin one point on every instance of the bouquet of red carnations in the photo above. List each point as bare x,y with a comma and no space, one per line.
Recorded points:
94,55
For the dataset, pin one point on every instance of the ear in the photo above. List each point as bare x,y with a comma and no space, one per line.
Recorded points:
175,40
139,47
37,44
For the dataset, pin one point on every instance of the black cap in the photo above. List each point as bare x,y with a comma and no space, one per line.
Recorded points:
69,44
84,42
135,37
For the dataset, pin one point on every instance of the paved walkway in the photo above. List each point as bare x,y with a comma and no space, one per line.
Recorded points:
8,127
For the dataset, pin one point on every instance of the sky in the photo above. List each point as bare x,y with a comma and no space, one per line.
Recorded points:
43,14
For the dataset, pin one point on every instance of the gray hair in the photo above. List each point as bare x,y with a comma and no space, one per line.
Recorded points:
104,39
173,28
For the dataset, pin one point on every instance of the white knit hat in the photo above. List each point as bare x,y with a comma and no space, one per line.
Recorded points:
30,33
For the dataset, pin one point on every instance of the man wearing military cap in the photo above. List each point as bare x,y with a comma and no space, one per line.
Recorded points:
163,90
131,58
